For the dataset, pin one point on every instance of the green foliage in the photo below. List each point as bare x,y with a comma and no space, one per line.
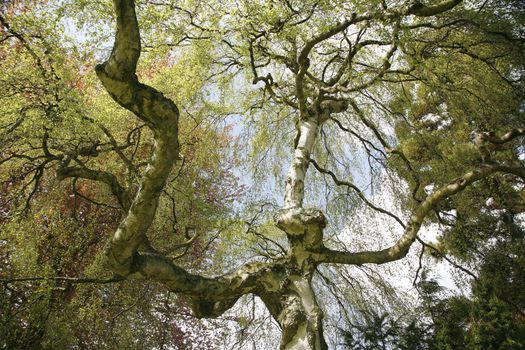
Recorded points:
53,108
452,75
492,318
376,331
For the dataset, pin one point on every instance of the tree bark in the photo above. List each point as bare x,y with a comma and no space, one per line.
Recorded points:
307,134
301,318
294,307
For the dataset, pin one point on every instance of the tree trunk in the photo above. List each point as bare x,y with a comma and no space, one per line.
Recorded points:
296,310
307,133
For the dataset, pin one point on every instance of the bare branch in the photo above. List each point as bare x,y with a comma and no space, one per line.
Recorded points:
445,257
304,62
357,190
102,176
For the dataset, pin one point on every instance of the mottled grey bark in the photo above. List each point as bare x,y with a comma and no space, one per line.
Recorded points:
295,308
299,314
160,114
301,318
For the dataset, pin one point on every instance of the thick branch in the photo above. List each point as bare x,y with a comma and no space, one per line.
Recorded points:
401,247
118,76
208,297
109,179
420,10
122,63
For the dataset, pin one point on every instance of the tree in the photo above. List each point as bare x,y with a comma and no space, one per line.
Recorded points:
406,82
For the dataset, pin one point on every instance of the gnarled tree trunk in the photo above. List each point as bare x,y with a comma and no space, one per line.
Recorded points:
301,318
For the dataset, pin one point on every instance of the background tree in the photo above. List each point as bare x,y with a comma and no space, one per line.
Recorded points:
386,88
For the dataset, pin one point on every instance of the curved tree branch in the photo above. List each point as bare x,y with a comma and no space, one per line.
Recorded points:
446,258
118,75
420,10
303,61
357,190
208,297
402,246
109,179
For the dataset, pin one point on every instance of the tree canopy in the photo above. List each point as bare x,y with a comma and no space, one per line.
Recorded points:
204,174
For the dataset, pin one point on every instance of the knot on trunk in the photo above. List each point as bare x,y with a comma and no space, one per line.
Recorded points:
327,108
303,226
291,317
297,221
334,106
